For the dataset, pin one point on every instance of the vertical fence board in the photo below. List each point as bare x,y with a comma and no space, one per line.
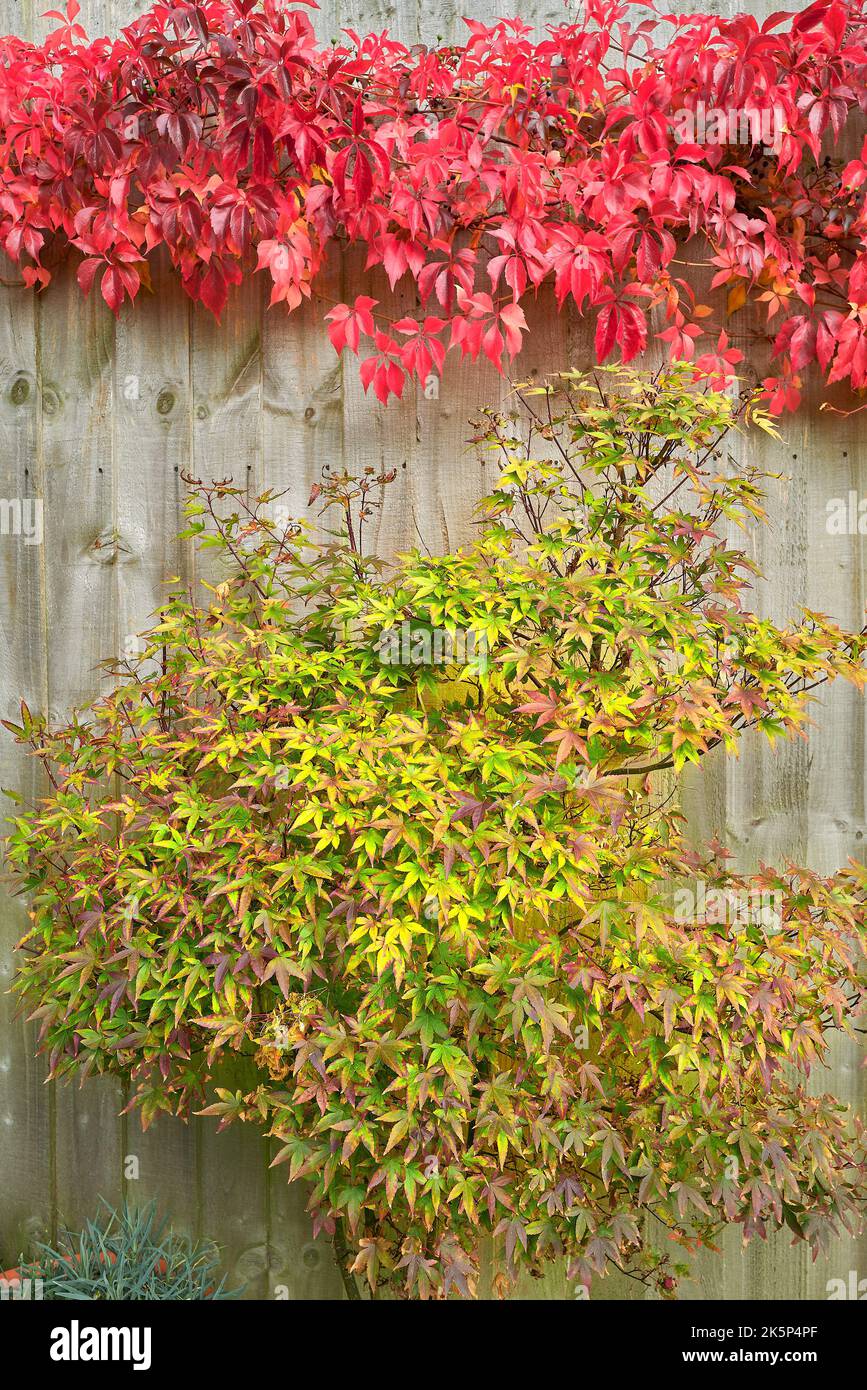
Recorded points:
226,444
20,17
303,408
152,446
77,348
835,789
302,431
25,1118
442,21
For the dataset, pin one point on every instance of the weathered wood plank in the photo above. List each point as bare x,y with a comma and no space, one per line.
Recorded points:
226,401
299,1267
77,353
227,414
303,404
152,429
25,1108
802,802
834,465
442,21
302,429
20,17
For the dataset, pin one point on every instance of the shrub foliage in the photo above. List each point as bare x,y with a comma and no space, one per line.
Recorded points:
441,908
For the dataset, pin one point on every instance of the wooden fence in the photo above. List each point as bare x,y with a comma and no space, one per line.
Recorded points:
98,420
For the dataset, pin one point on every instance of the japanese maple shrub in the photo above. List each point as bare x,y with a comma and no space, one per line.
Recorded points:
440,908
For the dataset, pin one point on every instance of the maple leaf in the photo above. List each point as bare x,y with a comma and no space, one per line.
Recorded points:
747,700
568,742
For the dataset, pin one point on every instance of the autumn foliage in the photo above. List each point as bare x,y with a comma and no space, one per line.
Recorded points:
487,992
472,174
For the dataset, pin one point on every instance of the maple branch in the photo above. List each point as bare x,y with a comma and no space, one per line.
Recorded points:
342,1256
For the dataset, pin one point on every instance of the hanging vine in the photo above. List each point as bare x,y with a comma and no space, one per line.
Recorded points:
597,158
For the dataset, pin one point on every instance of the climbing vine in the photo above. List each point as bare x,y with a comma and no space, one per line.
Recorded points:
615,158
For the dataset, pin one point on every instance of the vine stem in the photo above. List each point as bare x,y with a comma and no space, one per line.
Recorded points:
341,1254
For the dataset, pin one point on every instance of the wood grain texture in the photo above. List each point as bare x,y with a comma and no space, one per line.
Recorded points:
26,1115
20,17
227,416
101,420
152,440
82,554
